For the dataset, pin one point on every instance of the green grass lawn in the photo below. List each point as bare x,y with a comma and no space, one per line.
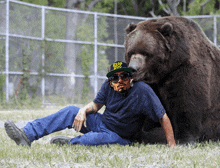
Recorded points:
44,154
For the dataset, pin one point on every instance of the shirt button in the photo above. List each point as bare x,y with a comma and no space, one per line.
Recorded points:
161,111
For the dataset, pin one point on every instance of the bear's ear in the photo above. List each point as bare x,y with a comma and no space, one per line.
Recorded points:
130,27
166,29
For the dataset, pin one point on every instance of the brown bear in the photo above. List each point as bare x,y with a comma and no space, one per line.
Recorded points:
174,56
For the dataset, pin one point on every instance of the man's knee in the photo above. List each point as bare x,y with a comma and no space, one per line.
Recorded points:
72,109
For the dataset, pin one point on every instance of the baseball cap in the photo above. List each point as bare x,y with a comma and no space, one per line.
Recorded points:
116,67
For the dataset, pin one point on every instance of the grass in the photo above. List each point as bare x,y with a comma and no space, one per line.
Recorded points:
18,115
44,154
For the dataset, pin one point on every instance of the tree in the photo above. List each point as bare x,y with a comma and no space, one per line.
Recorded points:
203,7
70,21
74,54
157,8
146,8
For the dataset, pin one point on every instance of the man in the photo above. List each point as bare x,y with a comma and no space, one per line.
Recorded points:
126,105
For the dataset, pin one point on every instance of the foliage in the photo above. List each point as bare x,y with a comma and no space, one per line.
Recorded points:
2,56
25,90
145,8
105,6
141,7
55,24
2,84
86,56
25,20
55,28
37,2
2,76
55,3
195,8
23,94
39,78
85,32
54,58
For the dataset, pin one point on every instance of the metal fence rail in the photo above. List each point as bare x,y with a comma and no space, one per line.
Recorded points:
60,43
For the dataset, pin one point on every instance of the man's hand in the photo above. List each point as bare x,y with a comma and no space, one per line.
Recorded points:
79,120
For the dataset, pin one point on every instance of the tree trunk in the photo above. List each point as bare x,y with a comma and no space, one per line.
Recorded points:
173,6
70,48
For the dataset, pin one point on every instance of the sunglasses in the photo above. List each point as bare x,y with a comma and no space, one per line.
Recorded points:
115,78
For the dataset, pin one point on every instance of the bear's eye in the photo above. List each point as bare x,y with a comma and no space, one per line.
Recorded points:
146,54
130,54
150,55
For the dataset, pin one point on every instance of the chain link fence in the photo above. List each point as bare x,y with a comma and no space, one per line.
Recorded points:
61,56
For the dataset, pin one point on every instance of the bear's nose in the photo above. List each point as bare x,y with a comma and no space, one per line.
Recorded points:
136,61
133,66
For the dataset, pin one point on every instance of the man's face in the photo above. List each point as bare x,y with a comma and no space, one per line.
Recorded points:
122,85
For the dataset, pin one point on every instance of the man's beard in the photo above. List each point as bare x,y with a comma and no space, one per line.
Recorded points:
125,92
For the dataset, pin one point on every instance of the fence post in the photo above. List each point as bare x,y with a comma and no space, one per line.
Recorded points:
95,54
7,53
116,31
215,30
43,53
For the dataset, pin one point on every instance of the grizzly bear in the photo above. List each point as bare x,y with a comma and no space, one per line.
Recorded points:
174,56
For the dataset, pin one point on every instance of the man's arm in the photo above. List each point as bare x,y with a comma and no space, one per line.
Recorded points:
81,115
168,130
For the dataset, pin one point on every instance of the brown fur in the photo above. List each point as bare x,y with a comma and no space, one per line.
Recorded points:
174,56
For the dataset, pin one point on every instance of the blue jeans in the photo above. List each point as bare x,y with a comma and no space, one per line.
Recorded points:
95,133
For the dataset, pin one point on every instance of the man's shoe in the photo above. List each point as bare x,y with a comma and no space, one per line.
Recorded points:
16,134
61,140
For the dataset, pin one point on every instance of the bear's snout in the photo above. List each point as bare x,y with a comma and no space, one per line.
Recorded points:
136,62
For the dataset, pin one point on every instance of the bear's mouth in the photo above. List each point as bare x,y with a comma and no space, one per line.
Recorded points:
137,73
134,74
142,76
137,76
137,64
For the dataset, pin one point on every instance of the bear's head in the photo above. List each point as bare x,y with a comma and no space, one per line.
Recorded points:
156,47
